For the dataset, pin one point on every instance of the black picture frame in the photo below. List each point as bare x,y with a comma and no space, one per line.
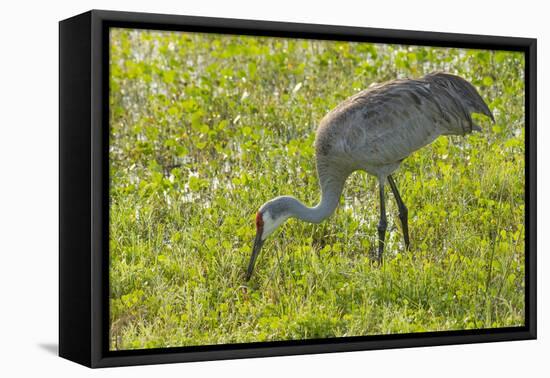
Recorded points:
84,184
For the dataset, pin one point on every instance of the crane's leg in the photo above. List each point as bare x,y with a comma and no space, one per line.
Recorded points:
403,212
382,224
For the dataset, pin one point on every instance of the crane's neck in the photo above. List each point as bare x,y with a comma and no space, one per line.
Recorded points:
278,210
331,190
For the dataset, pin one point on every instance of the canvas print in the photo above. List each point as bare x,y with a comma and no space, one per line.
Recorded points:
275,189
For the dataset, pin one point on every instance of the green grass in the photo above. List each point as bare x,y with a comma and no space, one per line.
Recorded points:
205,129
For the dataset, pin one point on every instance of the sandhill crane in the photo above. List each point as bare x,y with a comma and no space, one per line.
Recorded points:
375,130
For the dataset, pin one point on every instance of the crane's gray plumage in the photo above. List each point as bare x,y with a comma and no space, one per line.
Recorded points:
374,130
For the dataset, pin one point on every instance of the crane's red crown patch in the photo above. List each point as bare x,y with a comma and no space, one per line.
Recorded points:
259,220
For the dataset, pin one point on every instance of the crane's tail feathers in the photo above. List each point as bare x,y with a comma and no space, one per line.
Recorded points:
482,108
468,98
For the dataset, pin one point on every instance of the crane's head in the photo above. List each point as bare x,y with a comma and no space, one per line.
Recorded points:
270,216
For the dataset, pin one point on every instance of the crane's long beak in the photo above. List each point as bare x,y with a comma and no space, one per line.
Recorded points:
258,242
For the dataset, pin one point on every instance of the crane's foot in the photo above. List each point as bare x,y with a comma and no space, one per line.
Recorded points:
375,257
379,258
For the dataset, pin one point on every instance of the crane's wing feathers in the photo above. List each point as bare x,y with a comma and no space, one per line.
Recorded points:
387,122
